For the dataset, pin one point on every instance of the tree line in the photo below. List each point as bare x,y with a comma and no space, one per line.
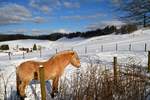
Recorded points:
55,36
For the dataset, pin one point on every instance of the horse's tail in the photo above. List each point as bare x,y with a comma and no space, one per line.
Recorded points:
17,81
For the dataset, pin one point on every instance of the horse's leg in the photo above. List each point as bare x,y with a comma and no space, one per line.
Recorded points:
55,86
18,82
22,87
21,91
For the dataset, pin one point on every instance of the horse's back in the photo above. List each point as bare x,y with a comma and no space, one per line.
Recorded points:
26,69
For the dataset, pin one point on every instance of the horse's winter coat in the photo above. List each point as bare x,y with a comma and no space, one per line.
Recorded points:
53,69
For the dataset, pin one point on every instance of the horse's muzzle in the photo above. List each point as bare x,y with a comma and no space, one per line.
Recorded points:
79,66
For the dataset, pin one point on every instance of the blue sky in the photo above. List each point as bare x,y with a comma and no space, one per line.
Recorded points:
47,16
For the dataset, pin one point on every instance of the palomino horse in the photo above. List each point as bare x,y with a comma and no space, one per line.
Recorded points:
53,69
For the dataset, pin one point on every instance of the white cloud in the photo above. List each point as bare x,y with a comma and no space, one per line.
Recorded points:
44,5
40,31
45,8
71,4
33,31
13,13
103,24
16,31
38,19
113,22
79,17
50,5
62,31
38,5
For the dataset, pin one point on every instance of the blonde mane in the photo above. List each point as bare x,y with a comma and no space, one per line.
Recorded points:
62,53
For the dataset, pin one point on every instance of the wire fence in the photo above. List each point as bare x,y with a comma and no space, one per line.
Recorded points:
87,50
121,76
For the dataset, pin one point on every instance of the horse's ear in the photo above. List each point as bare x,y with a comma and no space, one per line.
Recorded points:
72,53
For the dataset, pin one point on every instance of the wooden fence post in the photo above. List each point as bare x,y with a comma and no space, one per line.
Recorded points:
40,53
115,70
23,55
56,50
145,47
129,47
102,48
148,61
85,50
9,54
42,82
116,47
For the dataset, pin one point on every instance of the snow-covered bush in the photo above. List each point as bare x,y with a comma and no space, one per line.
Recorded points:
4,47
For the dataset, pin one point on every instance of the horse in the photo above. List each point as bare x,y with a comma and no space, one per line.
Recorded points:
53,69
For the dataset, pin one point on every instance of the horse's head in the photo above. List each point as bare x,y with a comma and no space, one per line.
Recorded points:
75,61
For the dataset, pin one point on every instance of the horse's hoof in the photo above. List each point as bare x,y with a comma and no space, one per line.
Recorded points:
56,91
52,95
22,97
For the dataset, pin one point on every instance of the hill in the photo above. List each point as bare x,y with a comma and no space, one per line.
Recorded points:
88,34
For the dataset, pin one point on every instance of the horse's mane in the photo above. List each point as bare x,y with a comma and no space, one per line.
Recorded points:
61,53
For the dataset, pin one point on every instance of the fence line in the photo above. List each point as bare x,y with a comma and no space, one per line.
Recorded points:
86,50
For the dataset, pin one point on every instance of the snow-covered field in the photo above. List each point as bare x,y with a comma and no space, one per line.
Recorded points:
86,48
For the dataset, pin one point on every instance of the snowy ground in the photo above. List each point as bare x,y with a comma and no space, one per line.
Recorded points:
86,48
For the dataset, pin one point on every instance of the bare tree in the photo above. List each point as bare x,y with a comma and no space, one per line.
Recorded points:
135,11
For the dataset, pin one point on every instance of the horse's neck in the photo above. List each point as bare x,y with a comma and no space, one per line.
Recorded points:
64,61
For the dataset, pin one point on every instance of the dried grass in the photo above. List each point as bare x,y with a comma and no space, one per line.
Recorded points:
94,84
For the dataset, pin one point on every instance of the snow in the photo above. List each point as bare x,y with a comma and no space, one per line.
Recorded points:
64,39
86,48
